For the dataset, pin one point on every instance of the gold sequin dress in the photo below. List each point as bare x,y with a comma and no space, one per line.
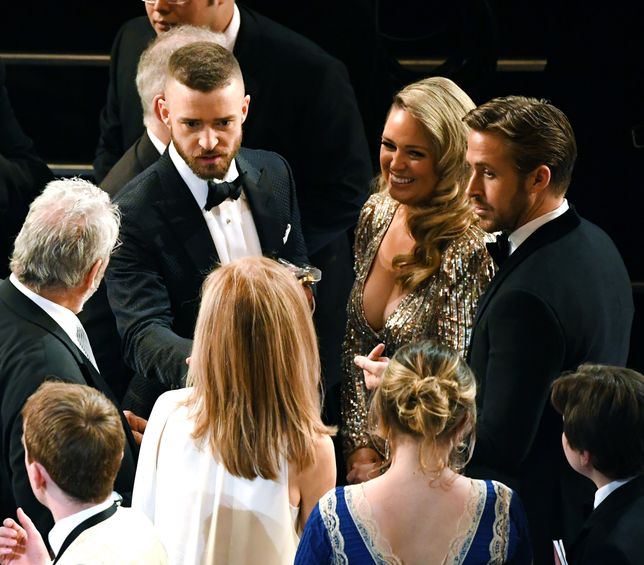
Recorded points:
442,308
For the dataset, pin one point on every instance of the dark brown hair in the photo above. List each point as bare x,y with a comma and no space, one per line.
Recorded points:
603,412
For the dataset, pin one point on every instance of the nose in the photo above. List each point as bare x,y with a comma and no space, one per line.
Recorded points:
398,161
473,185
208,139
160,6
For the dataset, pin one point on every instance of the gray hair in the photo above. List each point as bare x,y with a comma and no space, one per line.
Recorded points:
70,226
153,64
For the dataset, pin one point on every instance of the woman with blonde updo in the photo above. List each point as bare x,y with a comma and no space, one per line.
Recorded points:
421,262
421,510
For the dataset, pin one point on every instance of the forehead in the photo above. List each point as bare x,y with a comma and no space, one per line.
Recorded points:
182,99
403,126
488,147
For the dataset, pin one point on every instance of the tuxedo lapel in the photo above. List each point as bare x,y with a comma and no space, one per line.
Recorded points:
183,216
262,204
547,233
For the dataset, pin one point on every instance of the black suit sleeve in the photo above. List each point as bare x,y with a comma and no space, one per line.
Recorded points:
525,354
110,144
141,303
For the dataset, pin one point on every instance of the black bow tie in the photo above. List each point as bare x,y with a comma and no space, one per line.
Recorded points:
220,191
499,249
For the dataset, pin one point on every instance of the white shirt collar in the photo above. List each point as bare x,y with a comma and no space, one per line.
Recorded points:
198,186
518,236
232,31
158,144
58,534
64,317
602,493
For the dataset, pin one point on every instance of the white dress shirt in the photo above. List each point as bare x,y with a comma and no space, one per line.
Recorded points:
232,31
158,144
602,493
518,236
231,224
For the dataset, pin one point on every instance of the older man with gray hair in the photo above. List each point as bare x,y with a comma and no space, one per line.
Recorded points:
150,82
59,258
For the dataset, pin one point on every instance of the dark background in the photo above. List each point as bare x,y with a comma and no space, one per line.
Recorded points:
593,71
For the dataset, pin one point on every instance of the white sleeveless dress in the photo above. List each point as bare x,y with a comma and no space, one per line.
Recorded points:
203,514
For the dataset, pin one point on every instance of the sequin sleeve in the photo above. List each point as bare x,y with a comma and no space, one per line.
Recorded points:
466,271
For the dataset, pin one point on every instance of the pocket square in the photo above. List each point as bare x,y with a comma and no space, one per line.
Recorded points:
288,230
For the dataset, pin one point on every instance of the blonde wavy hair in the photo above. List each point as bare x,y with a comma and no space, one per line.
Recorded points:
428,392
255,370
439,105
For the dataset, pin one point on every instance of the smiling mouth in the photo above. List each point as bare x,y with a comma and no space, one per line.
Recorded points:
399,180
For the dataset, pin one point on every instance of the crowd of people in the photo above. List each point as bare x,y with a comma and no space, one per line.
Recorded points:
446,400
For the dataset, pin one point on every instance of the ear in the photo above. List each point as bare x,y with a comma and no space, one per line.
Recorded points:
38,475
156,104
539,179
92,276
245,106
161,109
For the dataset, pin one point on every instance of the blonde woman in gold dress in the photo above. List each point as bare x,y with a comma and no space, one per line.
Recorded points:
421,263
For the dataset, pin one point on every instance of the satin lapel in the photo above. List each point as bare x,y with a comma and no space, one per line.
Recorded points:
547,233
262,204
183,216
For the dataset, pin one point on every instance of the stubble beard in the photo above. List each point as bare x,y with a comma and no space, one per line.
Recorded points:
213,170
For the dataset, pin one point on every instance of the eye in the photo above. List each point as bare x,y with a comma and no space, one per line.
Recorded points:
191,124
416,154
488,174
388,145
224,123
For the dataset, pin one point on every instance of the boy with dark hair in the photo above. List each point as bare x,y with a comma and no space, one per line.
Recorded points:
603,439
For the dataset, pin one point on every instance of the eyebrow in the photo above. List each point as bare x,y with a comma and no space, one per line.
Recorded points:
423,147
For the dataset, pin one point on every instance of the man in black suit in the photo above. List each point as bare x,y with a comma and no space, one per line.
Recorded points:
304,108
59,258
603,439
562,297
205,202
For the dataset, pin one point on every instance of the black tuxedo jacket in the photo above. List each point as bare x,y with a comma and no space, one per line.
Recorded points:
613,533
561,299
302,107
33,349
154,278
136,159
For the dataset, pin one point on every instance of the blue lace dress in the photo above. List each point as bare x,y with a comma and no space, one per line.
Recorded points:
341,530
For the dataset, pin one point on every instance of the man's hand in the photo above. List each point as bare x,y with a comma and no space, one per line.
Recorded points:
363,464
137,425
373,366
21,544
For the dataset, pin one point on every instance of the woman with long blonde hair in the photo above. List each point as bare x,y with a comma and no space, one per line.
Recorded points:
231,467
421,510
421,261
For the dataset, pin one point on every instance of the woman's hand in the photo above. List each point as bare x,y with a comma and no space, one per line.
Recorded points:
373,365
363,464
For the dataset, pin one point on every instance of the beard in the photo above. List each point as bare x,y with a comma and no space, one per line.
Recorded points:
208,171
